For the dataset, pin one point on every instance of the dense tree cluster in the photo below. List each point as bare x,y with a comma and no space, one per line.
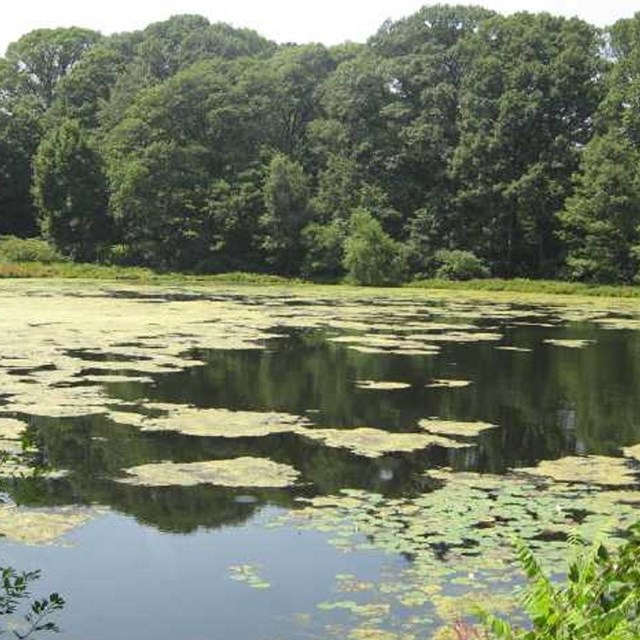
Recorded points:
455,141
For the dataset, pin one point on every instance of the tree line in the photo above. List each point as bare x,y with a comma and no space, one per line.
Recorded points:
456,142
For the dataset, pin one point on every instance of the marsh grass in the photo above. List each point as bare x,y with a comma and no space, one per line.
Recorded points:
12,269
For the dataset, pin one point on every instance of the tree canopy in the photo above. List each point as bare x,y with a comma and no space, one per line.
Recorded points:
455,136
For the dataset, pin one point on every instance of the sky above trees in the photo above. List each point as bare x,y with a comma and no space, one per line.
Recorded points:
329,22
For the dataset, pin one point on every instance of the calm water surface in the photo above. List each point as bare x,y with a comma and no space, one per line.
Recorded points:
156,564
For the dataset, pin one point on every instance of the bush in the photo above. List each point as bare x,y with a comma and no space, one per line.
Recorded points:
371,257
601,598
459,265
324,250
14,249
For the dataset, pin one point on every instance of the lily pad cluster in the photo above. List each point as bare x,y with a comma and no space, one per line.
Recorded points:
457,537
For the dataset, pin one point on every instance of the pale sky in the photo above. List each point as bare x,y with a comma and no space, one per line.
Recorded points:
327,21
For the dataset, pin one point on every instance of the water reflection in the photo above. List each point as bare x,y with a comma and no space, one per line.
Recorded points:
548,402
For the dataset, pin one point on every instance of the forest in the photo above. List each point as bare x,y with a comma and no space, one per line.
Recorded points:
454,143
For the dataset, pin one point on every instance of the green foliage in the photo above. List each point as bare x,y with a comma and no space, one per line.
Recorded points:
14,249
600,220
371,257
14,590
459,265
454,127
70,191
286,196
530,86
42,58
20,132
600,599
324,250
423,232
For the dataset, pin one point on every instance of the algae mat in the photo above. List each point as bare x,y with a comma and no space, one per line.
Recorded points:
422,431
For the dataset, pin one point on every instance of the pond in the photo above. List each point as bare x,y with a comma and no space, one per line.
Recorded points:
271,464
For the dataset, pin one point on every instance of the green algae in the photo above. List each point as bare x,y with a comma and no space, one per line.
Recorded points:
595,470
238,472
632,452
375,443
218,423
569,344
40,526
380,385
455,428
448,383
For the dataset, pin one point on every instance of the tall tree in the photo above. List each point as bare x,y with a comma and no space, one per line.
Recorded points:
208,123
41,59
286,196
70,191
532,84
19,137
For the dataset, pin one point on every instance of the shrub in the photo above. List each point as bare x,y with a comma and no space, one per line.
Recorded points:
371,257
324,250
14,249
601,598
459,265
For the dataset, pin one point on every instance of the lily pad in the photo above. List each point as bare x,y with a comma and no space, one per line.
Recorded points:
248,574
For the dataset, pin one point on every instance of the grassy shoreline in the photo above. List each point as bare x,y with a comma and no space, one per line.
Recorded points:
140,275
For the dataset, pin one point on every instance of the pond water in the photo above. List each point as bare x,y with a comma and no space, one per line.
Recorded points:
373,536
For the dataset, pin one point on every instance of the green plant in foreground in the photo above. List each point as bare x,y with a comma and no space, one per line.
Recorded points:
599,601
14,589
14,585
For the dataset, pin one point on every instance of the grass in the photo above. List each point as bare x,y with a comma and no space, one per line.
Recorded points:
521,285
69,270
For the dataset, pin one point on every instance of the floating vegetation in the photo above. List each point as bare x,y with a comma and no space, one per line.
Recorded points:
111,379
374,443
248,574
214,423
459,537
239,472
632,452
455,428
569,344
598,470
448,538
619,324
349,583
443,383
11,432
40,526
381,385
460,336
